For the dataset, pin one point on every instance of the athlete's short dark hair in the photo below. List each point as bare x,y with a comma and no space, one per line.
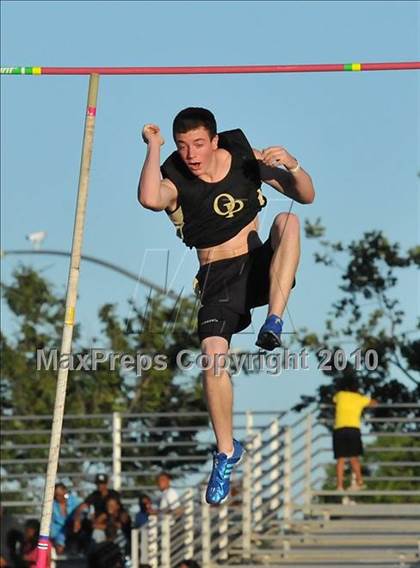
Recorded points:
194,117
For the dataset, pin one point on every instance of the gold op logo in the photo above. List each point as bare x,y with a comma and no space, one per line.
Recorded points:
229,204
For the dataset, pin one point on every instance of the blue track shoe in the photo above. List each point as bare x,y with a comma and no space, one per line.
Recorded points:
219,483
270,334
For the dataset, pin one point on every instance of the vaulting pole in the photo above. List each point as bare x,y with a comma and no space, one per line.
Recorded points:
66,341
208,70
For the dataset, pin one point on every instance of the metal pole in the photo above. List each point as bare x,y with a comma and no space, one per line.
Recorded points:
144,544
257,460
205,536
247,506
275,472
287,483
116,450
223,531
165,558
246,489
152,541
143,281
189,524
308,462
69,320
135,548
249,424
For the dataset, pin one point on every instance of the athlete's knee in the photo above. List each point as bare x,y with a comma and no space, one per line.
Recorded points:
283,220
215,350
286,223
213,345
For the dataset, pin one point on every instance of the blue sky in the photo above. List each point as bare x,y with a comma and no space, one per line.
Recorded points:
357,135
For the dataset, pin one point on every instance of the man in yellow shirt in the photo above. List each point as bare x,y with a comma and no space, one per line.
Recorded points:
347,440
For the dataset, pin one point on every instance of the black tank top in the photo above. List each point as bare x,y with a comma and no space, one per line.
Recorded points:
208,214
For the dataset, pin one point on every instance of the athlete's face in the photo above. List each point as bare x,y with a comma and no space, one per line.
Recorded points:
196,149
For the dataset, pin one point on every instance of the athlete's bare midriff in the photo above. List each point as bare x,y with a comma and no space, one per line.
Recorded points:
246,240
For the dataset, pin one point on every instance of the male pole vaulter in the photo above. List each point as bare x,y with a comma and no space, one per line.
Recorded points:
211,189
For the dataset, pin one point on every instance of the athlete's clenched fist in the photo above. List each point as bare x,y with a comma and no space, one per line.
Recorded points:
151,134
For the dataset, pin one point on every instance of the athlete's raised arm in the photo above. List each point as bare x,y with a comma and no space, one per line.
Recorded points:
154,192
295,182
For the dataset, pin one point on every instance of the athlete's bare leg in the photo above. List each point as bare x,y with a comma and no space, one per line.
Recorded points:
285,241
219,393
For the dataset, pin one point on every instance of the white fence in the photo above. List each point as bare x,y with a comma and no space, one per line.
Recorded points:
279,483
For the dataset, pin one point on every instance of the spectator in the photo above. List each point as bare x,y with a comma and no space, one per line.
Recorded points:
235,493
146,509
105,555
347,440
188,564
98,498
118,528
64,522
8,529
169,501
14,546
99,528
23,546
30,542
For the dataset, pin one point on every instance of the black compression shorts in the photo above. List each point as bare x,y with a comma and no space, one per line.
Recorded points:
230,288
347,443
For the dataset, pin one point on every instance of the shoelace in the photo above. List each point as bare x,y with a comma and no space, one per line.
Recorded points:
219,474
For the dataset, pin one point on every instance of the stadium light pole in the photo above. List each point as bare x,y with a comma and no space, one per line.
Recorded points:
106,264
69,321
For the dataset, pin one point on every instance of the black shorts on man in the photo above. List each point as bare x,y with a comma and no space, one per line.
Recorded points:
347,443
230,289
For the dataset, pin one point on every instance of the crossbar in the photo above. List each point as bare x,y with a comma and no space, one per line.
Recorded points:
213,69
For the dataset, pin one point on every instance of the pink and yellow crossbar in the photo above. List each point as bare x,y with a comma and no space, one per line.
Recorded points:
215,69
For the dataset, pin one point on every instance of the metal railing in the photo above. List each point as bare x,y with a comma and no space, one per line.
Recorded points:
279,485
132,448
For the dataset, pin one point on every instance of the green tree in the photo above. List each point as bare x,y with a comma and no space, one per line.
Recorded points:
161,327
381,472
169,329
369,317
390,477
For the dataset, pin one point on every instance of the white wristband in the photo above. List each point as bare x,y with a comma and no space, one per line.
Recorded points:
295,169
